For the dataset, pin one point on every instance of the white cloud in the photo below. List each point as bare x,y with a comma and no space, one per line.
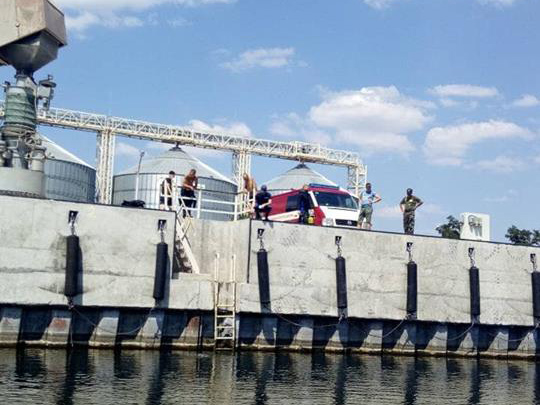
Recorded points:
449,145
125,149
377,119
431,209
261,57
380,4
228,128
82,14
526,100
448,102
501,164
178,22
463,90
293,126
232,128
498,3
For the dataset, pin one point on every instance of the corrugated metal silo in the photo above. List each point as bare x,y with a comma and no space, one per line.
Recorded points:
295,178
154,170
67,177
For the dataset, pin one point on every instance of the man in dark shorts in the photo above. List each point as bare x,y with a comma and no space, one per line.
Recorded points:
408,206
263,199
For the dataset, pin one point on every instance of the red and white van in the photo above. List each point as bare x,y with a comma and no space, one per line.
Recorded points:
330,206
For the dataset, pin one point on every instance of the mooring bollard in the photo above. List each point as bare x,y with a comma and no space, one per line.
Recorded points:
341,280
263,271
412,284
160,276
474,283
71,288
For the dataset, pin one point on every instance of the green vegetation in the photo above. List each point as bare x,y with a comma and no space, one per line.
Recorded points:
451,229
523,237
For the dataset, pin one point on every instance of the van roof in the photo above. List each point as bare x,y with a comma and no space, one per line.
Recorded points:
315,187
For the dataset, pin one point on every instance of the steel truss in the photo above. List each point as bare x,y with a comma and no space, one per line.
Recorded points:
242,147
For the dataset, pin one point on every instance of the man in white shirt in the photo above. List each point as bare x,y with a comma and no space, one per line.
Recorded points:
367,198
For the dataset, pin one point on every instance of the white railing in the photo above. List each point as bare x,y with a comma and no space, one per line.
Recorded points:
239,208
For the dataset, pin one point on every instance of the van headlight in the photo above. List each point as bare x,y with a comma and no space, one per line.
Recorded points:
328,222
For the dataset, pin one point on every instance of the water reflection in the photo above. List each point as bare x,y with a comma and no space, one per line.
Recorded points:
30,376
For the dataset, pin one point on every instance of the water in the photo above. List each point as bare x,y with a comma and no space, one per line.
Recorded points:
35,376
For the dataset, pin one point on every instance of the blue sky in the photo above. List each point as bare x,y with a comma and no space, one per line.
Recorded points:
439,95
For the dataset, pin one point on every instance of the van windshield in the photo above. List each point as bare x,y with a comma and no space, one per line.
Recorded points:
335,200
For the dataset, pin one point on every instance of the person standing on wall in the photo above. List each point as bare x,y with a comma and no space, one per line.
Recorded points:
304,204
166,192
263,201
189,185
250,189
408,206
367,198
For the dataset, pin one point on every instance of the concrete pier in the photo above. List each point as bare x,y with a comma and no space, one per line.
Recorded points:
115,307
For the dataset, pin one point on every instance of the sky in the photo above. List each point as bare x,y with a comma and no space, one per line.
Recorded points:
442,96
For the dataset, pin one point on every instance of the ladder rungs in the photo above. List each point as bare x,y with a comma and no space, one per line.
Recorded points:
224,327
224,316
224,338
225,306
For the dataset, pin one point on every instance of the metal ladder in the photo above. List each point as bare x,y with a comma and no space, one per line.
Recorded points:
225,307
184,255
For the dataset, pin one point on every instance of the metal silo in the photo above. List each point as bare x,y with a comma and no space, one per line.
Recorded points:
214,186
295,178
67,177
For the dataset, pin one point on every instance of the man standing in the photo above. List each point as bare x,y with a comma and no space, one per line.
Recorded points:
367,198
304,204
408,206
167,188
263,199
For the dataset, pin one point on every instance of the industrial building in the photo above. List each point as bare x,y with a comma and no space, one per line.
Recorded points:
67,177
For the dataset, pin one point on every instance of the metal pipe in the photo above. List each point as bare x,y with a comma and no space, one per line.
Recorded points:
137,177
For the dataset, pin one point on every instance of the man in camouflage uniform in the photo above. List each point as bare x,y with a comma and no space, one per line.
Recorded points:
408,206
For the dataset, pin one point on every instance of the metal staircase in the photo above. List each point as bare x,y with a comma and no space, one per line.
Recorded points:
225,307
184,258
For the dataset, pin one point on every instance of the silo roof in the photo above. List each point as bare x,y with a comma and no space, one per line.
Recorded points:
179,161
296,177
56,152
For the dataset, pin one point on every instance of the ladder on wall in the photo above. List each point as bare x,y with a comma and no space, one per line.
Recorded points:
184,257
225,307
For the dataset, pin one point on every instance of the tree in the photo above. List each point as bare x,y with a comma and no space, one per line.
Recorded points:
451,229
523,237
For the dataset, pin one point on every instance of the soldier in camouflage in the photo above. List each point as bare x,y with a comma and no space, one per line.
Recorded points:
408,206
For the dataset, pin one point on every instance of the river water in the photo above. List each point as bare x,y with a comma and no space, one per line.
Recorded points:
36,376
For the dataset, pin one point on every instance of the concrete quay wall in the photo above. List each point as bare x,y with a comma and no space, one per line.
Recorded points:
118,256
303,277
116,307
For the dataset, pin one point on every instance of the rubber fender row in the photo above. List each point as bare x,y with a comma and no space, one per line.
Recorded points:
73,265
412,286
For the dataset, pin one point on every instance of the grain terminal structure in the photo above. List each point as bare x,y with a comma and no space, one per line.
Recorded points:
213,185
67,177
295,178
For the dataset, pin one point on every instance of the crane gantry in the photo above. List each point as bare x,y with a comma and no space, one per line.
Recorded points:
107,128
